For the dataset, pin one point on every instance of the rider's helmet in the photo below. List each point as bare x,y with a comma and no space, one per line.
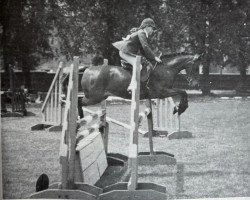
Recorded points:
147,22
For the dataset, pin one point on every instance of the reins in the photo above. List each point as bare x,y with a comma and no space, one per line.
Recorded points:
152,70
157,62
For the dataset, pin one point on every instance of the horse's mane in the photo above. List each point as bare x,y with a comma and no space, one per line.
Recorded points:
169,60
173,55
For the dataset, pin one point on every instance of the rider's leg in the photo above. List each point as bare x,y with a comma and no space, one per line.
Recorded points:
131,60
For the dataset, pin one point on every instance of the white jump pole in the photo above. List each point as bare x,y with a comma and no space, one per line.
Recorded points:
169,124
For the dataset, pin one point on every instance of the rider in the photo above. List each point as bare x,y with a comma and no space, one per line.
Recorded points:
137,44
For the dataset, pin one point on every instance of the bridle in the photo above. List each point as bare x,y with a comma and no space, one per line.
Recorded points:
188,78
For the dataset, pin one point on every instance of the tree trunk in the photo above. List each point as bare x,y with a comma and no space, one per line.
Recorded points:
241,88
205,77
243,50
6,37
26,74
11,21
109,18
205,48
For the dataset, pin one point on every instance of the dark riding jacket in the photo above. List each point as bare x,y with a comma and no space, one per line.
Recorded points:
136,44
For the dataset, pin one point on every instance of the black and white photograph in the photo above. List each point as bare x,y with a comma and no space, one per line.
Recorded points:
125,99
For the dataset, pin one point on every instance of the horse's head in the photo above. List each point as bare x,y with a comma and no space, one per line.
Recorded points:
191,65
180,61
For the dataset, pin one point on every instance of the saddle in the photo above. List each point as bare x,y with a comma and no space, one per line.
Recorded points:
145,72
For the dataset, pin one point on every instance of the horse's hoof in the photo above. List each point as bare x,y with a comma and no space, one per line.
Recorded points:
175,110
181,110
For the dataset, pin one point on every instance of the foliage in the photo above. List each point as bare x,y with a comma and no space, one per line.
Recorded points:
39,29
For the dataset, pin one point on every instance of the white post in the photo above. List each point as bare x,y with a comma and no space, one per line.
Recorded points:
133,145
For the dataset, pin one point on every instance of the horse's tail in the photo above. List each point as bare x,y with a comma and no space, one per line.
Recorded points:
65,77
66,71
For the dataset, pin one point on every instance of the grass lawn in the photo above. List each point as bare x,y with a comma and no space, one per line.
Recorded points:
216,161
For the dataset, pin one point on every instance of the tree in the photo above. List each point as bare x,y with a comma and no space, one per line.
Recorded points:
216,29
24,35
39,29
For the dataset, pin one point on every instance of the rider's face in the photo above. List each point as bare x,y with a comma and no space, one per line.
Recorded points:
150,30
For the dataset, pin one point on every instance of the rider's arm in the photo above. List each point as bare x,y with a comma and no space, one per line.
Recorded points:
149,54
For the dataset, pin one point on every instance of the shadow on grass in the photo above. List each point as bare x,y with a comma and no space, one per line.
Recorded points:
193,173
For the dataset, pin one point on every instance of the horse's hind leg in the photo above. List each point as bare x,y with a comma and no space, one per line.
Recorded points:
83,101
79,107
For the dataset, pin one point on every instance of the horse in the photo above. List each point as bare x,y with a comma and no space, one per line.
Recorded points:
100,82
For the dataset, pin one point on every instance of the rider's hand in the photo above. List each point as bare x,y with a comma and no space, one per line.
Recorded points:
157,59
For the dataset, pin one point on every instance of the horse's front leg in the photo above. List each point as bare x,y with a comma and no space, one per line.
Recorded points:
79,107
183,105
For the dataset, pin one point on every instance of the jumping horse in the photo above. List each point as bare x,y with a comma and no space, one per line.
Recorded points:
100,82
